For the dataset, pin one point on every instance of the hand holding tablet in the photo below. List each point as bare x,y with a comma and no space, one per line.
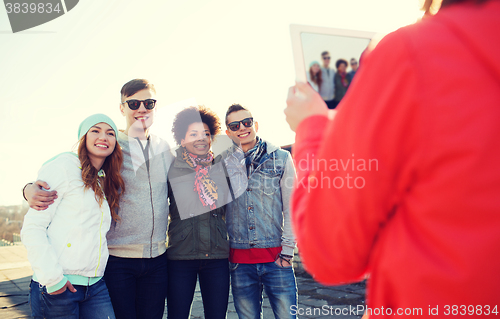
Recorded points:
318,87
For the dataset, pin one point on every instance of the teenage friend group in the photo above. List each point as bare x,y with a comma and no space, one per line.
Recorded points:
245,191
331,85
423,228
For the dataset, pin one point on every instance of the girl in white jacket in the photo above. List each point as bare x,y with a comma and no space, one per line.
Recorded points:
66,243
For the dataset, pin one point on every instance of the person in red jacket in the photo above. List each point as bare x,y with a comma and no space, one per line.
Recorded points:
403,183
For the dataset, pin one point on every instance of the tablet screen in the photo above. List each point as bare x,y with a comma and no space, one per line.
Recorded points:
312,44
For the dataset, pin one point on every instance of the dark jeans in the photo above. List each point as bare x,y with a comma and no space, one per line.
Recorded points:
214,284
88,302
137,286
332,104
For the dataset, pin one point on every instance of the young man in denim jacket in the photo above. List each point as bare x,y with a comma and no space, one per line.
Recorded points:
258,219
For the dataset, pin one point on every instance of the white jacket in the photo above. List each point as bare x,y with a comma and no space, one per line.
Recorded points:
69,237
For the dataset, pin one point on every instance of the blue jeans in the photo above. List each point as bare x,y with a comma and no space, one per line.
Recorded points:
214,284
137,286
87,302
248,281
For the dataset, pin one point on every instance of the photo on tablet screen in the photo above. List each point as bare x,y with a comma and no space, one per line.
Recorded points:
309,42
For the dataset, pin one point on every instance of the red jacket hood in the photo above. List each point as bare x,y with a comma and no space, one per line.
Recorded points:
478,29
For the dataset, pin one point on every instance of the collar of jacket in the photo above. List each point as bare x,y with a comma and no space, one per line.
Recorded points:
269,147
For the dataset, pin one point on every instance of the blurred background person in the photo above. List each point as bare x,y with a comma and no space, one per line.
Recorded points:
327,74
354,68
341,81
423,221
314,75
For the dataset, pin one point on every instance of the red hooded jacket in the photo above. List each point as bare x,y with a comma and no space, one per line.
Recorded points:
403,184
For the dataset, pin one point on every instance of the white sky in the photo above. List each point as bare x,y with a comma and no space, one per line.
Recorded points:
214,52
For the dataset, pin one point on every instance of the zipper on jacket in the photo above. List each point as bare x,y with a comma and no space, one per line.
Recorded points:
100,244
100,233
153,213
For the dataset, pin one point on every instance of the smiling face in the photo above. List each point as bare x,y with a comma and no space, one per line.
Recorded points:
315,68
101,142
244,136
342,67
198,139
354,64
140,120
326,60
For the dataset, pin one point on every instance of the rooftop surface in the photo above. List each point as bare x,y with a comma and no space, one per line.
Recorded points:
315,300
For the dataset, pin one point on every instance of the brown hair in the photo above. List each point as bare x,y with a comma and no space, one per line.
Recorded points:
316,78
136,85
194,114
235,108
432,6
339,62
114,185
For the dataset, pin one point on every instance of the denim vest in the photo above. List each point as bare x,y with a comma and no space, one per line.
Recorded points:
259,215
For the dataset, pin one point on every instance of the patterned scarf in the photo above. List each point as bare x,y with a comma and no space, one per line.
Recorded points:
343,79
204,185
254,156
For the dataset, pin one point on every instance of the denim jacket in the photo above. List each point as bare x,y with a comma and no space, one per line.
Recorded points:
259,215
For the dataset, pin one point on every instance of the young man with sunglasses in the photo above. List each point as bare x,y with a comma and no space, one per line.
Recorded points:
354,68
258,219
136,272
327,89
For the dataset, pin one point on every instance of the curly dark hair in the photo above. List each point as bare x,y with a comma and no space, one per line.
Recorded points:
194,114
339,62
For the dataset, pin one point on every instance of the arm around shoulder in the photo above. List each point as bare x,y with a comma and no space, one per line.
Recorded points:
38,195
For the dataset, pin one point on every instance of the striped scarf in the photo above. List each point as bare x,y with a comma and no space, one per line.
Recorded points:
204,185
254,156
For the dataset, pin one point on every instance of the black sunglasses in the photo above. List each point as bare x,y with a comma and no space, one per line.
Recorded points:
149,104
326,58
234,126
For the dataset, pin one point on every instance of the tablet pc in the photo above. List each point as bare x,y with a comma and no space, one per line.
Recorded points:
308,42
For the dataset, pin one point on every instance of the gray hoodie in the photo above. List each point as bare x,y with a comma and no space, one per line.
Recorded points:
141,230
